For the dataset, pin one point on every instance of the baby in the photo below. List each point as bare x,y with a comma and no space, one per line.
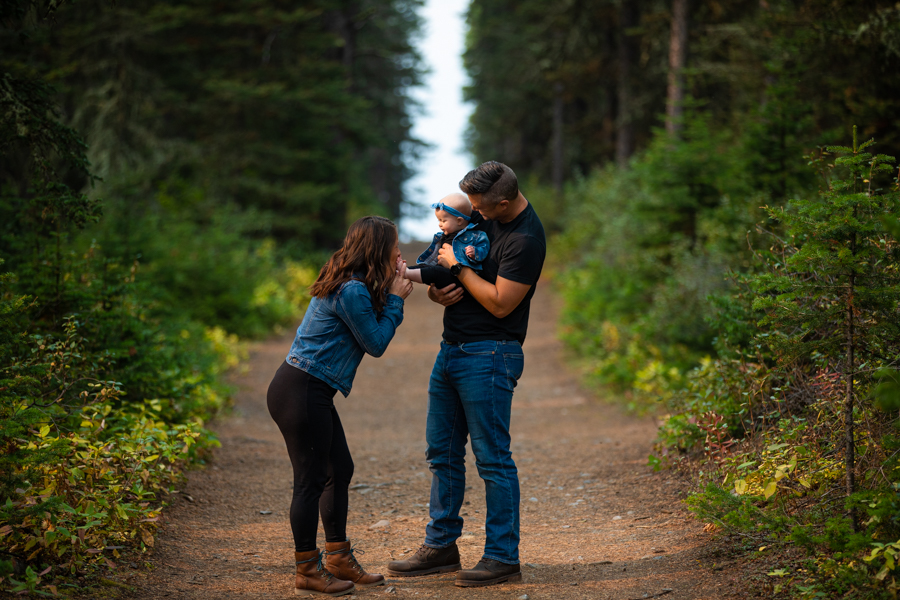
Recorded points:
470,246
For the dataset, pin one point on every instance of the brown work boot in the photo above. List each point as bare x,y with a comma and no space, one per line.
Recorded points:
427,561
314,580
342,563
488,572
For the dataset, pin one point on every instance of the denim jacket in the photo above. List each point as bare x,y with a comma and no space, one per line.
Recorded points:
462,239
336,331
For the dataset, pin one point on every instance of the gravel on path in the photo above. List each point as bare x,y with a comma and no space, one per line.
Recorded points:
596,521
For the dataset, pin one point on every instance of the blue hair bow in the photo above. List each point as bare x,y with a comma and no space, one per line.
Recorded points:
451,210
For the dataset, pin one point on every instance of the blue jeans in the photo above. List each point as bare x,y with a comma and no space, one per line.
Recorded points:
470,394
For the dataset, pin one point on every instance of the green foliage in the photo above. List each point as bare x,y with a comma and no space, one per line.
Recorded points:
748,64
115,334
805,430
838,275
298,115
886,392
767,338
81,472
646,252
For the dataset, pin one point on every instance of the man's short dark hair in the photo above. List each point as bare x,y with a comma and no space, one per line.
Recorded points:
493,180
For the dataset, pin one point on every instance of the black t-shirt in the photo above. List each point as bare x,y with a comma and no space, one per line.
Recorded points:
517,253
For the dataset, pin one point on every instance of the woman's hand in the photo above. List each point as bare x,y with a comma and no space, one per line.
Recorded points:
401,286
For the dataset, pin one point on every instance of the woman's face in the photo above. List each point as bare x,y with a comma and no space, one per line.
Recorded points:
395,254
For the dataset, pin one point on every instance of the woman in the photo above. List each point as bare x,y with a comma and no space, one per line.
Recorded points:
357,305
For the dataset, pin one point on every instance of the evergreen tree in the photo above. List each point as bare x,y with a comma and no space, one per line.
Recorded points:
834,299
296,115
749,64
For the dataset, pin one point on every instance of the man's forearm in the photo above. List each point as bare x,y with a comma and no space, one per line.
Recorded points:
499,299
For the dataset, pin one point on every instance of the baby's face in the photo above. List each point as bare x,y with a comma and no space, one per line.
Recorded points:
448,223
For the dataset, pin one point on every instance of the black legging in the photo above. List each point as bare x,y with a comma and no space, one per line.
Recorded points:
303,408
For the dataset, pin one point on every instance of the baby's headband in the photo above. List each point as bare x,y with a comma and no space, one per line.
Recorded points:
451,210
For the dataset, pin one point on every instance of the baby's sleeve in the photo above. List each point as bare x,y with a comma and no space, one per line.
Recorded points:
481,245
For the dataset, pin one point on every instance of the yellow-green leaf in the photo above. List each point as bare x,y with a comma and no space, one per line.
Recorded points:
740,487
44,431
770,489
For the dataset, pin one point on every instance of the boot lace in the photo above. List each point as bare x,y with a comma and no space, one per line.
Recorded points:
353,562
320,568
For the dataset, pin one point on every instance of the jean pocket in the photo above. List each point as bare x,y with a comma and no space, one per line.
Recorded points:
478,348
515,364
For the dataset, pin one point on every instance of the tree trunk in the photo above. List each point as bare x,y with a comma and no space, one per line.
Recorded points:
557,143
849,437
345,26
628,18
334,217
677,56
850,373
849,441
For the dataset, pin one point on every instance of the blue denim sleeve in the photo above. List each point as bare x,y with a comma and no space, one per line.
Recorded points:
371,330
481,245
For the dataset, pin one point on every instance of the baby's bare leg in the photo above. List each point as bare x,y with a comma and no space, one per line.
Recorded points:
414,275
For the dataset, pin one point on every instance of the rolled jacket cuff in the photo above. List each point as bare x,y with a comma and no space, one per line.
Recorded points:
393,300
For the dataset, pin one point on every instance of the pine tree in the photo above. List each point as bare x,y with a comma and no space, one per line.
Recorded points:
835,297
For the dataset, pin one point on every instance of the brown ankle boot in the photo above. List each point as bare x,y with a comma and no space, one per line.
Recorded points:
314,580
341,562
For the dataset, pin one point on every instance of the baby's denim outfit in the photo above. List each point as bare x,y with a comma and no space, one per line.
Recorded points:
463,238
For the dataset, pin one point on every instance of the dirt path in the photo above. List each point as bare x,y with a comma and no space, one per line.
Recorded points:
596,522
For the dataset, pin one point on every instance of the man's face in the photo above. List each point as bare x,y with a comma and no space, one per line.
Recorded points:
492,213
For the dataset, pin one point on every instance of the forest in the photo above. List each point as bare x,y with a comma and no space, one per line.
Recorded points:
721,181
170,175
717,179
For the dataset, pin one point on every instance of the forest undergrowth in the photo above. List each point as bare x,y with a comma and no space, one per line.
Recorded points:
769,352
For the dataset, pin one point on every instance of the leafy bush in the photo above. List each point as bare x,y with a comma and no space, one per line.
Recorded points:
646,253
811,455
81,471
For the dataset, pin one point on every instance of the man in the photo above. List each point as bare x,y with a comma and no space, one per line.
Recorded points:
471,387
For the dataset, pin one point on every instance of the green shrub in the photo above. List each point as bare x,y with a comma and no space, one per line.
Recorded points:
812,456
81,473
97,422
645,255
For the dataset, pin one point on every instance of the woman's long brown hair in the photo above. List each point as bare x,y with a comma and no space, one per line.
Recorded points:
367,252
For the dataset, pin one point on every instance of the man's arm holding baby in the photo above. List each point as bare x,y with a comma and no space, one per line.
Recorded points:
499,298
